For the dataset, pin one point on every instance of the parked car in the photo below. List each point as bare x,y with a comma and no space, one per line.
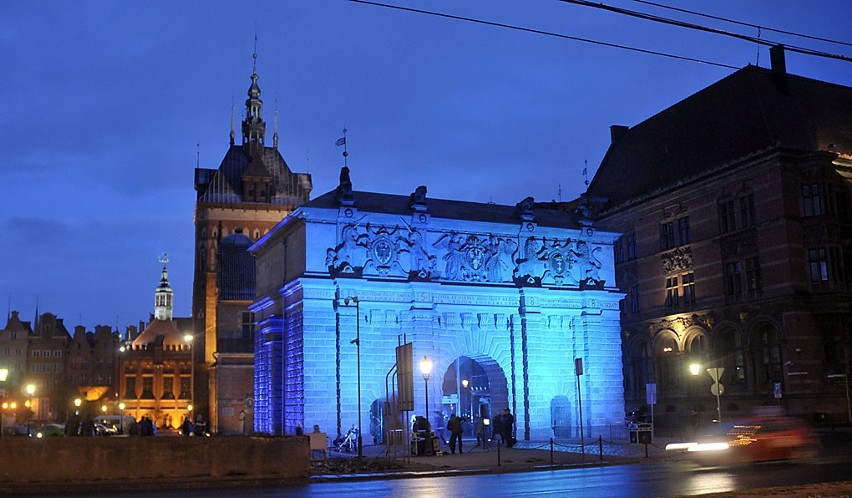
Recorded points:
755,439
105,430
50,430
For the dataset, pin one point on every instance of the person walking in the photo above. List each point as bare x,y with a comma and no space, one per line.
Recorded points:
479,429
454,425
508,423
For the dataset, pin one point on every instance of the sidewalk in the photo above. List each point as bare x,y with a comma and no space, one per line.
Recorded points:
524,456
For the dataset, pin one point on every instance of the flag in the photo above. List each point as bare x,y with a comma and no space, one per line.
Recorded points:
340,141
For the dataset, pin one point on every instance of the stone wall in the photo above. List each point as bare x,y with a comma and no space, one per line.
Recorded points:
62,459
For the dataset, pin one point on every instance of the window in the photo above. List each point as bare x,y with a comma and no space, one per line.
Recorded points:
819,265
168,388
248,324
634,299
754,286
618,251
147,388
131,387
185,390
733,279
747,211
631,246
811,202
672,290
836,264
727,216
688,282
667,240
683,230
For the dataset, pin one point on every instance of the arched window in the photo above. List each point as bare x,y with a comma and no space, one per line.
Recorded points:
766,357
732,356
667,365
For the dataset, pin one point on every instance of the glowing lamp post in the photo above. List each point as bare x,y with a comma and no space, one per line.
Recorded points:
716,388
121,407
4,374
357,342
30,389
426,370
188,338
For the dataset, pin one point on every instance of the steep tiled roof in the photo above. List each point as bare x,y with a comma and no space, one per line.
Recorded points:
747,112
160,328
224,183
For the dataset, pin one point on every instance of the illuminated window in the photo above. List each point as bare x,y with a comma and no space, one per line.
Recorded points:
672,292
811,199
688,283
819,265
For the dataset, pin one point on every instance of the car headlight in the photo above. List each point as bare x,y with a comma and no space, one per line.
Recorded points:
708,447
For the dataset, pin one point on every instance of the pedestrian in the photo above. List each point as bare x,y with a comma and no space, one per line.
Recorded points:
87,427
508,428
498,427
186,427
200,426
454,425
135,428
480,431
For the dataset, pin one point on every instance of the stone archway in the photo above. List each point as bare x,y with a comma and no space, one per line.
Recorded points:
486,392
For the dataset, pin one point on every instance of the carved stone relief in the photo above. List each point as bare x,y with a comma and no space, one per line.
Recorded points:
680,259
405,252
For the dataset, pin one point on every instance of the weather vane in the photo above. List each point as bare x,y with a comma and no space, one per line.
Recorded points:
342,141
164,258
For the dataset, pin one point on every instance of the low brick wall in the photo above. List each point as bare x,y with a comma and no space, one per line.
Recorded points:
57,459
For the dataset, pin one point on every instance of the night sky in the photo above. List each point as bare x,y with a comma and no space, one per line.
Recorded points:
109,106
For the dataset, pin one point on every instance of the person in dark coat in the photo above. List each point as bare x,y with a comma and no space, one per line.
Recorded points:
508,424
186,427
454,425
497,427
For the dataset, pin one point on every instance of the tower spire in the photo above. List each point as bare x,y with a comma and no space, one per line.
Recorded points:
254,128
233,135
275,135
163,295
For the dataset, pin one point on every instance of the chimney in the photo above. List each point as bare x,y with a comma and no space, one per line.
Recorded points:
616,132
779,66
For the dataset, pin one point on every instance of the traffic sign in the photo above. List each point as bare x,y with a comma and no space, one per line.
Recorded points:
717,389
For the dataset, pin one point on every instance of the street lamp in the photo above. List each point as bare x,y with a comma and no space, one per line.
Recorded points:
357,342
31,388
77,403
121,417
4,374
426,369
716,388
188,338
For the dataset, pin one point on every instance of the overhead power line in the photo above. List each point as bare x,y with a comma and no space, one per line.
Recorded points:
743,23
682,24
545,33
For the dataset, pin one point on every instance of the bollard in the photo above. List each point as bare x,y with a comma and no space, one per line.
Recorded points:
600,446
498,453
551,451
646,450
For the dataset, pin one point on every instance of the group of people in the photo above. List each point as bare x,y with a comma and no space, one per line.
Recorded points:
503,424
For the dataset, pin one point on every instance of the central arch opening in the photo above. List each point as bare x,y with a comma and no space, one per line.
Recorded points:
472,387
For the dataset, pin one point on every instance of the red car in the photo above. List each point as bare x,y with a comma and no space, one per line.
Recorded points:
758,439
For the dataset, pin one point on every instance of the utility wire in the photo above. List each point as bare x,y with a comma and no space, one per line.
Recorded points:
545,33
742,23
665,20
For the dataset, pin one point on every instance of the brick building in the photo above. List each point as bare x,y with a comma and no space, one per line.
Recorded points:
734,205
